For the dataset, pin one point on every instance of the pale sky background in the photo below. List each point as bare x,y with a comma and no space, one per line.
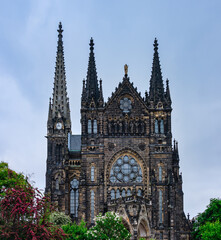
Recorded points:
189,35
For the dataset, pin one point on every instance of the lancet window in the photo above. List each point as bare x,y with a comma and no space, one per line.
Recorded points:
160,173
92,173
160,207
92,206
74,195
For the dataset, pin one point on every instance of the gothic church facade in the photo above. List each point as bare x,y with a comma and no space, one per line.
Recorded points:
123,161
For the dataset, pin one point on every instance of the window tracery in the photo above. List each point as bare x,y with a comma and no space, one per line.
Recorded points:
74,195
126,170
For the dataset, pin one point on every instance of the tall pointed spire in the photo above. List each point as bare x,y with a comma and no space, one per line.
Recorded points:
168,92
156,81
92,90
60,102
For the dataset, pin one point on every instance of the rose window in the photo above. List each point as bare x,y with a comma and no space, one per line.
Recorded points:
126,170
125,105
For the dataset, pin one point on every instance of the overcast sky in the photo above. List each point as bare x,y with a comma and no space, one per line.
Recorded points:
189,35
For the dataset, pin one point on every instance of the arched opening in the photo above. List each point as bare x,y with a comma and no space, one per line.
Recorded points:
143,230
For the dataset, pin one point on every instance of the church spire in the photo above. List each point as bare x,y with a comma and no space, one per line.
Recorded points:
168,98
60,102
92,90
156,81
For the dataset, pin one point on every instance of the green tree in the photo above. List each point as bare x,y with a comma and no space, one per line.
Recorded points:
10,179
211,231
208,223
74,231
59,218
109,227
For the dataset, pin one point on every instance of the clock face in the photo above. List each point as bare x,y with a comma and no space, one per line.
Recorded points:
125,105
59,125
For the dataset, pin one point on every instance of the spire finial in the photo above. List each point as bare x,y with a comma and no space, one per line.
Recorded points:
91,44
60,30
155,45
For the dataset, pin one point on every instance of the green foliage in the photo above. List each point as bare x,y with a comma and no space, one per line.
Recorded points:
74,231
59,218
9,178
109,227
208,223
211,231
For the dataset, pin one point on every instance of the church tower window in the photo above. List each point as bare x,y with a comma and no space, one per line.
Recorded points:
95,126
92,206
74,194
89,127
160,207
160,173
92,173
161,126
156,126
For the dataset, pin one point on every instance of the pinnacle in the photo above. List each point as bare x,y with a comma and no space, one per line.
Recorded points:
91,44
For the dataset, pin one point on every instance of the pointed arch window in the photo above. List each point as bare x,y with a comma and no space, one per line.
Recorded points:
161,126
112,194
92,206
89,127
139,192
128,192
92,173
95,126
117,193
74,195
160,207
124,193
160,173
156,126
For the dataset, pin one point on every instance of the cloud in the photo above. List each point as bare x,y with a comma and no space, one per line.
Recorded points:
21,130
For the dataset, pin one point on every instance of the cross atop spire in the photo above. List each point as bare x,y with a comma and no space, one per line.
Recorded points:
60,105
92,91
156,82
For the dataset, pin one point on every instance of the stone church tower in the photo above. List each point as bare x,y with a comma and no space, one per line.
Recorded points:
123,161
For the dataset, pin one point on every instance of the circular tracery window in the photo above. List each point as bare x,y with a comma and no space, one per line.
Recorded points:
125,105
126,169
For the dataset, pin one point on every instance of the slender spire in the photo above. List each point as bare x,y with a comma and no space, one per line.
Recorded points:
49,112
156,82
92,90
60,104
168,92
101,98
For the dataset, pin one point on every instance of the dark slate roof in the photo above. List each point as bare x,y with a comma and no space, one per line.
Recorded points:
75,143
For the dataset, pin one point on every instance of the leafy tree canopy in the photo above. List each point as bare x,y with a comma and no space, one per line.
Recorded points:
9,178
208,223
74,231
109,227
59,218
